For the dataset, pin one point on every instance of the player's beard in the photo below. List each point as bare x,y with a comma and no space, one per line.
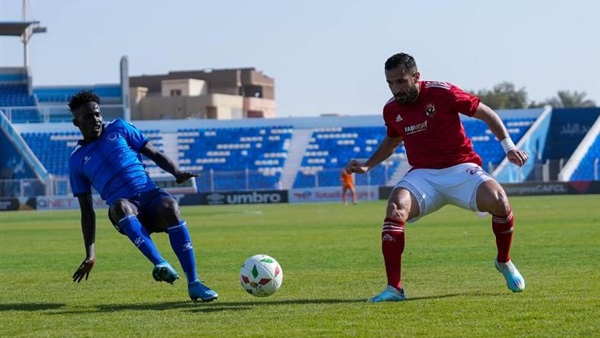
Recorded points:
408,97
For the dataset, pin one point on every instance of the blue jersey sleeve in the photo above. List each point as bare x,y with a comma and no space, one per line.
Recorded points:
135,138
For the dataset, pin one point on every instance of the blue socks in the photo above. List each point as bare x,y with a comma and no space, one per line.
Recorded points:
140,237
179,237
181,242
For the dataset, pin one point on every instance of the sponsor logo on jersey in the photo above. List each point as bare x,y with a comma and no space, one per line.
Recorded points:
415,128
398,118
86,159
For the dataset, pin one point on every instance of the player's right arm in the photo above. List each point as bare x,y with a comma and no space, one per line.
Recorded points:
88,228
494,122
386,148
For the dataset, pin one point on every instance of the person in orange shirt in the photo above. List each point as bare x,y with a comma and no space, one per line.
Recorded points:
348,185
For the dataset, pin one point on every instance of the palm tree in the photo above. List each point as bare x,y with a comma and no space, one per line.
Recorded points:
568,99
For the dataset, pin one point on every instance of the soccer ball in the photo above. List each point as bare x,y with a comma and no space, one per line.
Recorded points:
261,275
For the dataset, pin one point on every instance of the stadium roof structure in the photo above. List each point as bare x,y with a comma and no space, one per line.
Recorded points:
24,30
20,28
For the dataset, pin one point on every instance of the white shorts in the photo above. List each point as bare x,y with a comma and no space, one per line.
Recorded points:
434,188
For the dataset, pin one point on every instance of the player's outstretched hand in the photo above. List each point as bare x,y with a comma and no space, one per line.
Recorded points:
183,176
84,269
356,167
518,157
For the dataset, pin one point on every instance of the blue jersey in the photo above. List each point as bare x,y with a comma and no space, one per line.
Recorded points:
112,164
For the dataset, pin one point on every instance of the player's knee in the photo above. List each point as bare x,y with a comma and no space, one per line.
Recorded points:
396,210
500,206
121,208
169,211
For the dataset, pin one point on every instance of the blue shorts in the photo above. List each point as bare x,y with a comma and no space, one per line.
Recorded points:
148,204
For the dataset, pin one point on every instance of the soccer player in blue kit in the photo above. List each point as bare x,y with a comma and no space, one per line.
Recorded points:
109,159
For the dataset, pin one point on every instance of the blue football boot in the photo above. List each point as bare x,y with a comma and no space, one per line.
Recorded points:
164,272
197,290
514,280
389,294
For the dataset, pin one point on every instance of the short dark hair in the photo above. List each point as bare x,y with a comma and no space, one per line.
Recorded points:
82,97
403,60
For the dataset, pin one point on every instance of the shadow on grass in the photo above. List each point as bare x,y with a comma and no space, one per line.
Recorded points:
30,307
464,294
215,306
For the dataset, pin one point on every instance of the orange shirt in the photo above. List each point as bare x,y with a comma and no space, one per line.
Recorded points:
347,179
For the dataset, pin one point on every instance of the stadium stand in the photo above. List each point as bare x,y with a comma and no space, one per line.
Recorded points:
485,143
254,157
589,167
16,101
331,148
254,154
54,99
53,149
235,158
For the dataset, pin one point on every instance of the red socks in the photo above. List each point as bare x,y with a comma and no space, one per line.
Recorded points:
503,229
393,241
392,246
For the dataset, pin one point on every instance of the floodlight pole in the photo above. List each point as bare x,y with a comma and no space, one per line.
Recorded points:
26,34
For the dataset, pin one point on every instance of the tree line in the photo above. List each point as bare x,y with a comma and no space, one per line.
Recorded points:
506,96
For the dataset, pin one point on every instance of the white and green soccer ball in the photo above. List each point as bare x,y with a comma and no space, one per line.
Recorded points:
261,275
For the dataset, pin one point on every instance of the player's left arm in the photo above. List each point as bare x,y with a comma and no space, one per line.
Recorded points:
165,163
494,122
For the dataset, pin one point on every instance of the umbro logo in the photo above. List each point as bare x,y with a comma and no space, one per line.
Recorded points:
398,118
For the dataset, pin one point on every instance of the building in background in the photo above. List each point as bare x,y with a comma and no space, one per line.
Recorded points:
221,94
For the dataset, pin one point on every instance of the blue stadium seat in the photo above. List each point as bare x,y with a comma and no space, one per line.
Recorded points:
590,164
331,148
235,158
23,107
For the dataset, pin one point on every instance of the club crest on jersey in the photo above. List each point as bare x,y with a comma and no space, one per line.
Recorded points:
430,110
112,137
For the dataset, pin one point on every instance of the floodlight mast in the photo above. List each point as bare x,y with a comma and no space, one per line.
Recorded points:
28,32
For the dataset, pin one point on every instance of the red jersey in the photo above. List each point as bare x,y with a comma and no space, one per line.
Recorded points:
433,135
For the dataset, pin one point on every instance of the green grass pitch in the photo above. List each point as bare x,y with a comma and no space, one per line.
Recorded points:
331,259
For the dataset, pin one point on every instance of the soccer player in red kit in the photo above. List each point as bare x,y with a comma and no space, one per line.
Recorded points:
445,169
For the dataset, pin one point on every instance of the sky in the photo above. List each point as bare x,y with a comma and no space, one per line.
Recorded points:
326,57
